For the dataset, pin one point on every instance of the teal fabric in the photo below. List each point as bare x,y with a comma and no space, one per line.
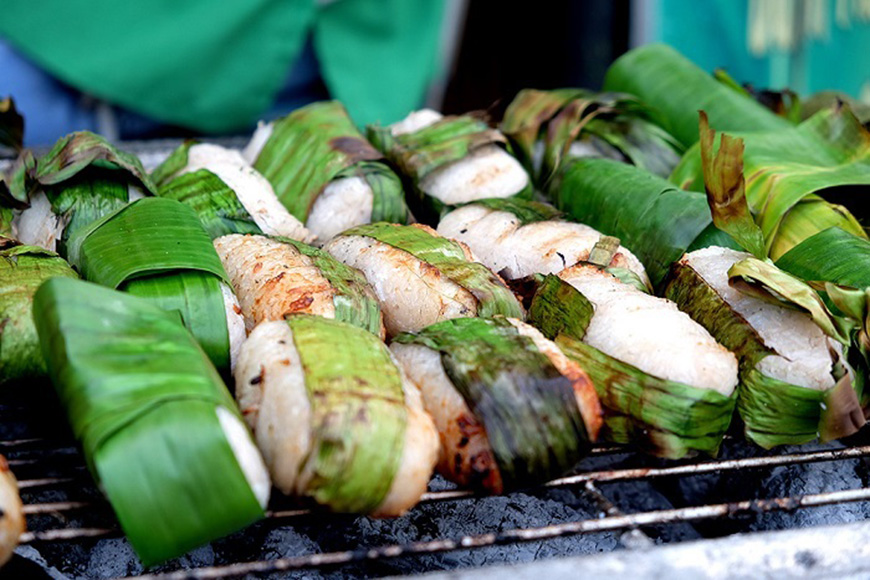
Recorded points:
217,66
713,33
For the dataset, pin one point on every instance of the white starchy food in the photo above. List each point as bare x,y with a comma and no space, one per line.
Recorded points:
248,457
515,251
344,203
488,171
804,357
258,141
273,279
419,454
12,523
651,333
38,225
235,323
415,121
270,389
412,293
253,190
462,435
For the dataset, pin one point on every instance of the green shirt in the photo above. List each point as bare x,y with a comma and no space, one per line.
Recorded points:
216,66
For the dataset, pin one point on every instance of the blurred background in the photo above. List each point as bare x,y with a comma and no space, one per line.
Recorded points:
160,68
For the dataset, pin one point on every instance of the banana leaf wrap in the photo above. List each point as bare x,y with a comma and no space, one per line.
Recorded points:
527,407
419,153
157,249
84,178
773,411
677,89
174,163
22,270
314,145
661,417
216,205
617,125
354,300
653,218
493,296
835,260
141,396
358,413
789,173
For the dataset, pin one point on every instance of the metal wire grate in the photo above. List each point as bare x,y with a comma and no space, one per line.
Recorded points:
64,508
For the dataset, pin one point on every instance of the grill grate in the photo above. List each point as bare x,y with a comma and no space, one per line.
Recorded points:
67,516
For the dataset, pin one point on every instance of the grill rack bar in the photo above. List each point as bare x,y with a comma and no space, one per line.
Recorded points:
588,526
586,479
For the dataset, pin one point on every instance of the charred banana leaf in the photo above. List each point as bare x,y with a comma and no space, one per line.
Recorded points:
547,126
526,405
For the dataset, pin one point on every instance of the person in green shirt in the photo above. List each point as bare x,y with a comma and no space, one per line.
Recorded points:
136,68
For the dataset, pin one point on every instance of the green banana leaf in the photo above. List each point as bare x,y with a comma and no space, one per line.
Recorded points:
832,255
652,218
419,153
789,172
16,183
663,418
22,270
558,308
6,217
358,413
174,163
84,177
618,124
219,210
677,89
317,144
141,397
527,408
835,261
156,248
355,302
493,296
773,412
11,125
